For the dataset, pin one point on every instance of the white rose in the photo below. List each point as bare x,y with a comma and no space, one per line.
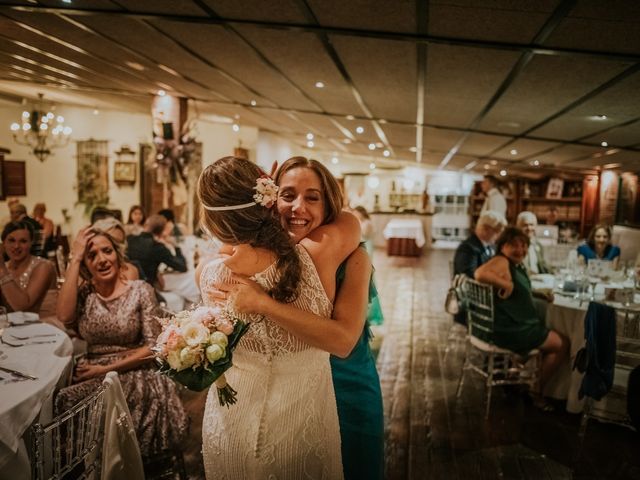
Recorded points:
187,357
173,359
215,352
219,338
195,333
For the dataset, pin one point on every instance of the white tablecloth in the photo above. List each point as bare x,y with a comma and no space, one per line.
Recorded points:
181,287
22,401
409,228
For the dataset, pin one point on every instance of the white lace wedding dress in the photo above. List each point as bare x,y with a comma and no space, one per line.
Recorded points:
285,422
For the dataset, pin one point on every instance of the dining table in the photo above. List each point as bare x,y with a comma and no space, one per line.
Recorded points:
35,360
566,315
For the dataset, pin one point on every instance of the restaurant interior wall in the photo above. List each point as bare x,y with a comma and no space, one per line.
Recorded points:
54,180
218,140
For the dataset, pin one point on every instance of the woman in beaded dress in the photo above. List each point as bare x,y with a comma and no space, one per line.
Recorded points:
118,319
25,278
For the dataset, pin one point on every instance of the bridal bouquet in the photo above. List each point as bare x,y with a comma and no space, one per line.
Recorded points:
195,349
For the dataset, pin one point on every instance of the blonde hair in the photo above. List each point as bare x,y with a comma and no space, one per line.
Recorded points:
230,181
119,249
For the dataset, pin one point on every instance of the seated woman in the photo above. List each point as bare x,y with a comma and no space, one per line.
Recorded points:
517,326
24,279
114,227
117,318
598,246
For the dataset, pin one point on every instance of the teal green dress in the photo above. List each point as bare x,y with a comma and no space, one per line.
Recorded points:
516,323
359,400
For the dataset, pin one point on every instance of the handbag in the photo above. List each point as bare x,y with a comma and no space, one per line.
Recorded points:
453,301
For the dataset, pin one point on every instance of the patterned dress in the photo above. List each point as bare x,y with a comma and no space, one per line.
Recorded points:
285,422
23,281
111,328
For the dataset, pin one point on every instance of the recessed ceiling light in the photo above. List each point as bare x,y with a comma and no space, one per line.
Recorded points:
493,162
334,160
513,151
372,146
602,117
486,166
413,149
372,166
96,111
359,129
253,103
604,144
235,127
319,84
162,93
535,163
309,136
310,144
135,66
350,117
386,153
66,1
503,173
382,121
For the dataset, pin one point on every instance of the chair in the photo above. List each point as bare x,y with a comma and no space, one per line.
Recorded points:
498,366
613,407
93,439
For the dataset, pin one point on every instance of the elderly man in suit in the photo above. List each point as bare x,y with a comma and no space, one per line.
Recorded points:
478,248
534,261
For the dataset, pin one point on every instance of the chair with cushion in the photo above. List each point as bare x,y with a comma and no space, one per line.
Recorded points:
498,366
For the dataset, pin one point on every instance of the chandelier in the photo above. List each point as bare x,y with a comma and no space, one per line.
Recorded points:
41,130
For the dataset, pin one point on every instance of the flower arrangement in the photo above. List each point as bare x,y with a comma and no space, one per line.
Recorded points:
266,191
195,349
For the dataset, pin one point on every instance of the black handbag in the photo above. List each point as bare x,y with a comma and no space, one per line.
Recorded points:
453,301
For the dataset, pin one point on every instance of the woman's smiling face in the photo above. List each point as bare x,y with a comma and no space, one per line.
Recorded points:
300,202
17,244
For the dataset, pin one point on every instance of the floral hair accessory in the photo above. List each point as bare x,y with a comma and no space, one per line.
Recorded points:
267,191
266,195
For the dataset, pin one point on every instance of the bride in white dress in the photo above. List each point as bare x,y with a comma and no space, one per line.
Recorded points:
285,423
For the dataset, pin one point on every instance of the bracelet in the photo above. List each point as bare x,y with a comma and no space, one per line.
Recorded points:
6,278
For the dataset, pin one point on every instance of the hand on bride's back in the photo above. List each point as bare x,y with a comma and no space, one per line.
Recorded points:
246,296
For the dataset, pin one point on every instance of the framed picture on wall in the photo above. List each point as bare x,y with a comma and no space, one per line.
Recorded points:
124,173
554,188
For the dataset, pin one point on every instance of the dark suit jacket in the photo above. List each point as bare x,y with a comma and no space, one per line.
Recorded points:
469,255
150,253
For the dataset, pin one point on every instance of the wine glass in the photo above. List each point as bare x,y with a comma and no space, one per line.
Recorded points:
4,323
593,273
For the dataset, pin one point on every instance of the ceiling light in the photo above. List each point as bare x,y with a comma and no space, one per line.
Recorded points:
335,160
513,151
309,136
486,166
319,84
135,66
372,166
359,129
413,149
379,144
346,141
253,103
162,93
96,111
386,153
604,144
382,121
493,162
235,127
310,144
66,1
503,173
350,117
536,163
37,130
372,146
602,117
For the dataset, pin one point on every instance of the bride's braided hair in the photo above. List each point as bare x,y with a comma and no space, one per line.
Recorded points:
231,181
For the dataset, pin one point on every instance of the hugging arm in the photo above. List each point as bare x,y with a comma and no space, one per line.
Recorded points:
337,335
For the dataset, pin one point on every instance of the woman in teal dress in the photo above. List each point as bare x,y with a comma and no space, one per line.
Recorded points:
309,201
516,324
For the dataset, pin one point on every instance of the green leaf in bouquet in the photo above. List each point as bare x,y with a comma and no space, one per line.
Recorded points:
200,378
239,329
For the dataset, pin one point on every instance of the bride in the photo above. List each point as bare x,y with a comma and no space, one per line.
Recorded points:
284,424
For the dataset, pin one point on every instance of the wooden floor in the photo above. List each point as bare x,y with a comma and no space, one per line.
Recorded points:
431,436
